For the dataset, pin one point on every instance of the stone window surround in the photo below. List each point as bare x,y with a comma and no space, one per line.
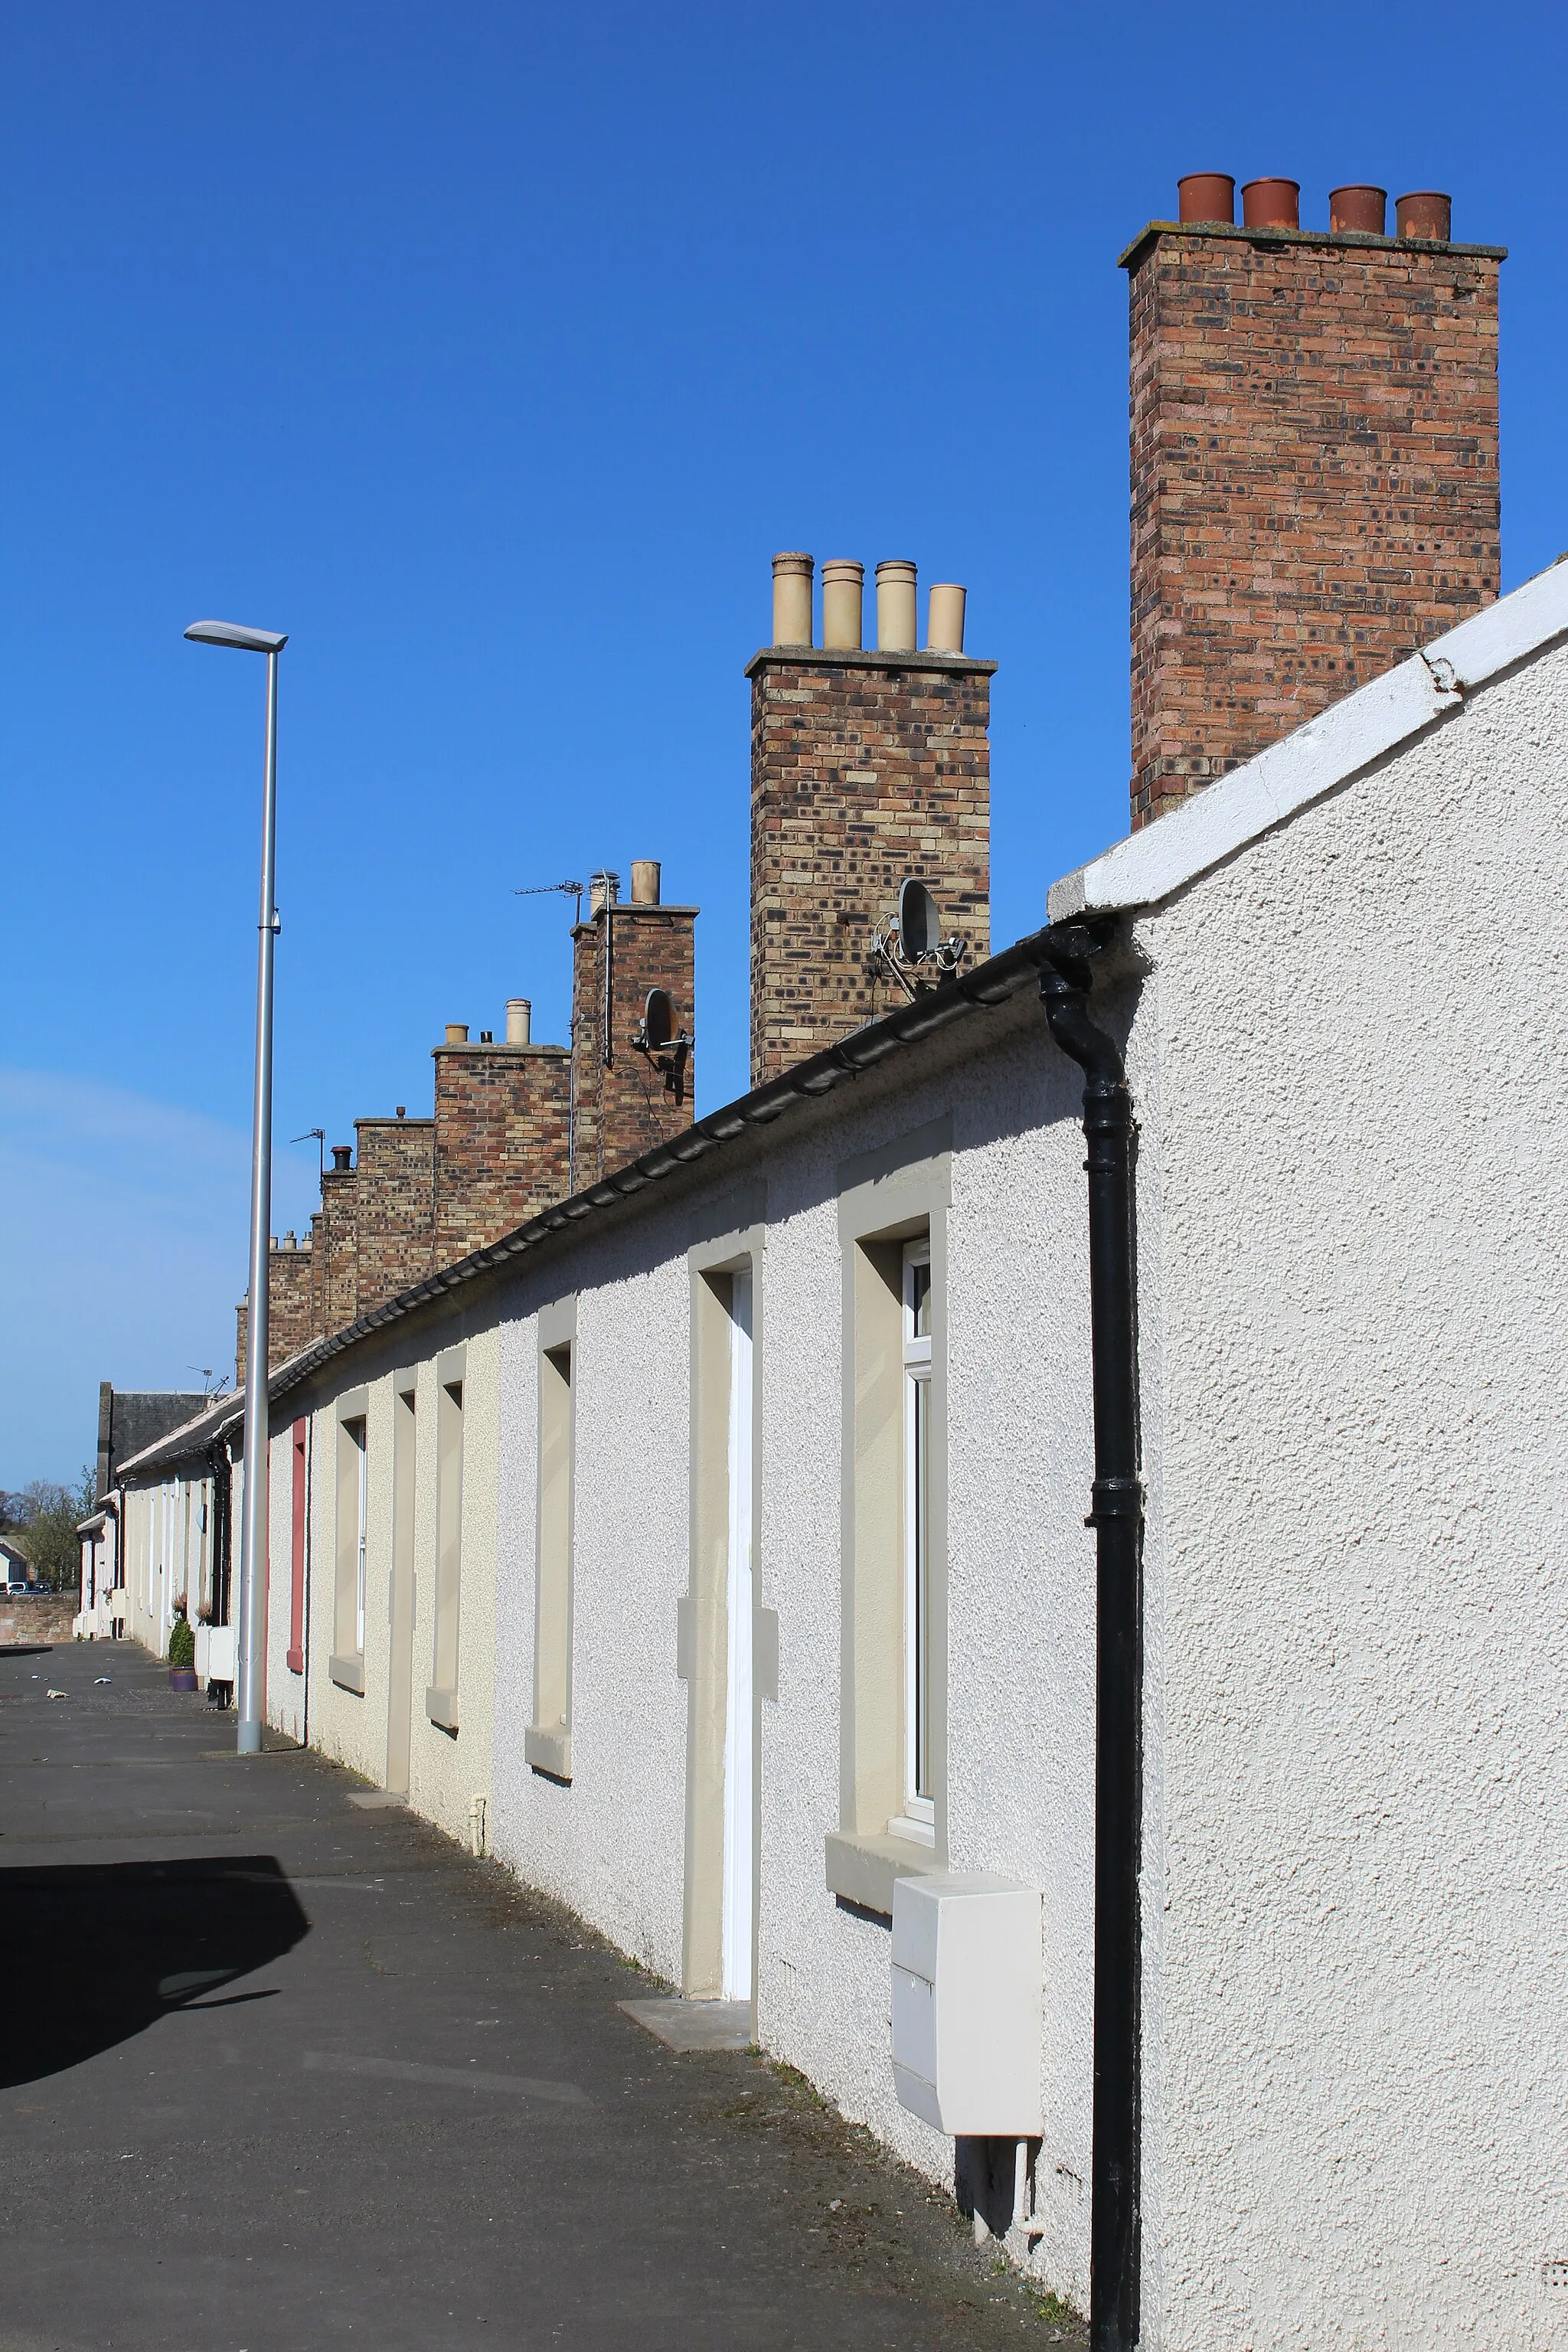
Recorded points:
886,1198
547,1745
441,1693
728,1238
347,1665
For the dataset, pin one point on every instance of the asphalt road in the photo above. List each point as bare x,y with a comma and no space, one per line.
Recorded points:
279,2072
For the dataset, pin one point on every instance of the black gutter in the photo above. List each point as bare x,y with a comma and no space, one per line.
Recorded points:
1117,1519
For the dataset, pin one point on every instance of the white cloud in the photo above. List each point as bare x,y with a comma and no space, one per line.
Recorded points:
122,1246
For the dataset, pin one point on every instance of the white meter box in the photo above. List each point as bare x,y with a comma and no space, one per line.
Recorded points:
966,2002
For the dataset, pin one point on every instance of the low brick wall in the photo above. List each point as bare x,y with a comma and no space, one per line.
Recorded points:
50,1617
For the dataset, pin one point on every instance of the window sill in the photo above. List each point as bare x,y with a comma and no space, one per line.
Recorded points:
348,1674
441,1706
864,1870
548,1749
912,1832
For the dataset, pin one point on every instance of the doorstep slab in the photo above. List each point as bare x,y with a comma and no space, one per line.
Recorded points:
371,1800
695,2024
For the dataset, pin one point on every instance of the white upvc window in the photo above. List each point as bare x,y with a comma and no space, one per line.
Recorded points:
919,1818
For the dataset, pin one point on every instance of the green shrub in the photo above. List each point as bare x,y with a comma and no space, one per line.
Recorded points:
182,1646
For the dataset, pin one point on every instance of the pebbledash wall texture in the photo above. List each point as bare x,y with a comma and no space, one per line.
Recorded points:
867,768
1314,458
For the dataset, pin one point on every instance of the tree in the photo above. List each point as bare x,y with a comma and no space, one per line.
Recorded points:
43,1523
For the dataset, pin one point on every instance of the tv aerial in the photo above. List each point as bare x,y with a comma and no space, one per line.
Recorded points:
547,889
317,1135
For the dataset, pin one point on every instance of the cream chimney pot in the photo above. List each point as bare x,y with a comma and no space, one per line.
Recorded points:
604,890
792,598
456,1032
843,584
944,618
645,881
519,1021
896,608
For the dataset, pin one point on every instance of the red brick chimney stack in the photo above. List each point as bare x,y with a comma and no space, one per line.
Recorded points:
868,768
394,1206
501,1130
1314,442
334,1255
288,1290
629,1099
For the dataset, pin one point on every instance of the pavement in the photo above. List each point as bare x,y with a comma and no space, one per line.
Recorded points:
280,2071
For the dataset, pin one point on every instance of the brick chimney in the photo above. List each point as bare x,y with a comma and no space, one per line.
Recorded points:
500,1129
869,769
396,1206
628,953
290,1310
1314,435
334,1247
287,1300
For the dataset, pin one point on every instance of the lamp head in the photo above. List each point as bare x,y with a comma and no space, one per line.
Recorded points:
229,632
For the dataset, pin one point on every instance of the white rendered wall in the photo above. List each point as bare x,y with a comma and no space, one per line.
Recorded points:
351,1725
1020,1618
284,1699
611,1845
1356,2048
446,1770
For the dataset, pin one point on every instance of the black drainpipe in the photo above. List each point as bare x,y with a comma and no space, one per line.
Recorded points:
1117,1519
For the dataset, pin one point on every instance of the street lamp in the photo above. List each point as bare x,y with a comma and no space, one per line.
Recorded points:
253,1526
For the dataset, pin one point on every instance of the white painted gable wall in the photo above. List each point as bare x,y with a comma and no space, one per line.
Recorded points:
1357,2088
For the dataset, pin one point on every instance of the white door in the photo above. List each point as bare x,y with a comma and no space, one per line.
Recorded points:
738,1714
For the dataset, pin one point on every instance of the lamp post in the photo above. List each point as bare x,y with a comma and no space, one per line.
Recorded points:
253,1537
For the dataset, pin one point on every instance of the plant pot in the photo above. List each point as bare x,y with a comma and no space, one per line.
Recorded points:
182,1678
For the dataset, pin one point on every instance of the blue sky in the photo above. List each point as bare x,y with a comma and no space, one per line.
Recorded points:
492,351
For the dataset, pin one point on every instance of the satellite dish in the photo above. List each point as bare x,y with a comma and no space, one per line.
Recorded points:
659,1020
920,926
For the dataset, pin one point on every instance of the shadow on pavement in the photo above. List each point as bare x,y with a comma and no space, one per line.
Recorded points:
106,1949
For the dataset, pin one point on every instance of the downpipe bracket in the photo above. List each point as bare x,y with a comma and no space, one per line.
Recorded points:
1114,1499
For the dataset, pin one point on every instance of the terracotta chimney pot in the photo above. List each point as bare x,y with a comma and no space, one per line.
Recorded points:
1365,209
1271,204
1208,197
1425,215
